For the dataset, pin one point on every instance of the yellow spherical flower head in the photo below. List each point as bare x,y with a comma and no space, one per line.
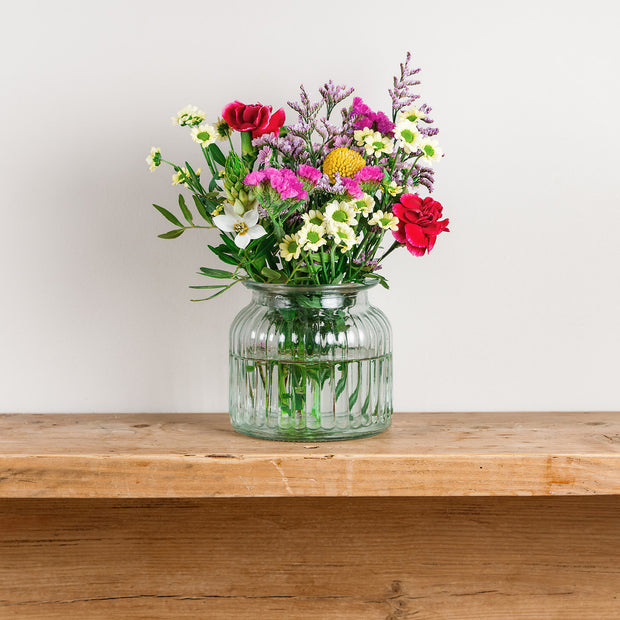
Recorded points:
311,237
289,247
343,161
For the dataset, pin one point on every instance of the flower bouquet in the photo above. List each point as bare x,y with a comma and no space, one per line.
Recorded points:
306,213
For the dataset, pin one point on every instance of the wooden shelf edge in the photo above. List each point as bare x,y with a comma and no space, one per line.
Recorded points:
297,476
199,456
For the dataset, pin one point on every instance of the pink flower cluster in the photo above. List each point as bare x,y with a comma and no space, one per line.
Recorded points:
309,173
282,180
365,117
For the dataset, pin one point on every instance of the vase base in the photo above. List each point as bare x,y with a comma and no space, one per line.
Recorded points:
311,435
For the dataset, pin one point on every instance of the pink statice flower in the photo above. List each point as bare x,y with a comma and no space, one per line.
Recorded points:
353,188
369,174
282,180
309,174
364,117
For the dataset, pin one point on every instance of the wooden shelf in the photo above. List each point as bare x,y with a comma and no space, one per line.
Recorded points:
199,455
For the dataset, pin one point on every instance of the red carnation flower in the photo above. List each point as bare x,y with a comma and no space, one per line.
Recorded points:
256,118
419,223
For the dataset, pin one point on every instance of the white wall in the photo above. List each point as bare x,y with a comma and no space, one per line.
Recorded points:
516,309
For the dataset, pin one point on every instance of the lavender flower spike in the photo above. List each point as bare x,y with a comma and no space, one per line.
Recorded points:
401,93
333,94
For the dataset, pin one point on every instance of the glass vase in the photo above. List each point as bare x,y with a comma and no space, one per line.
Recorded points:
310,363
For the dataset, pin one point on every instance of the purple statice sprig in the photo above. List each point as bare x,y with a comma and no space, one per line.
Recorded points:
402,95
333,94
306,109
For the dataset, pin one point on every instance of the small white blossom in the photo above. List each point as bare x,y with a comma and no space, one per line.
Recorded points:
189,115
205,134
430,151
245,227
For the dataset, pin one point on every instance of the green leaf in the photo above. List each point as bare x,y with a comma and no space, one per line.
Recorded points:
201,208
169,216
172,234
216,273
210,286
273,276
217,154
186,212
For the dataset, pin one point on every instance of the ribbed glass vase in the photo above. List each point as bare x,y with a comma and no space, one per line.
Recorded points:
311,363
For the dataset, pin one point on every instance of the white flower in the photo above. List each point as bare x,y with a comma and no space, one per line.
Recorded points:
313,217
189,115
246,226
407,136
360,135
154,159
364,205
205,134
376,144
339,213
290,248
345,237
393,189
430,151
311,237
410,114
384,220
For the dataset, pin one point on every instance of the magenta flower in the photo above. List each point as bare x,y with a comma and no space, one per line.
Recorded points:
282,180
309,173
365,117
369,174
352,187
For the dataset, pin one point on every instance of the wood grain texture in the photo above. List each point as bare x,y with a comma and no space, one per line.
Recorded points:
495,558
199,455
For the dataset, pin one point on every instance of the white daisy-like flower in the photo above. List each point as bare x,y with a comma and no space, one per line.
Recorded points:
384,220
289,247
364,205
339,213
189,115
345,237
393,189
154,159
407,136
311,237
411,114
245,227
376,144
313,217
204,134
360,135
430,151
223,129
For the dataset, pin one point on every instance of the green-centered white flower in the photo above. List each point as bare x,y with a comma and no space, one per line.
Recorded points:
313,217
360,135
378,144
407,136
154,159
311,237
289,247
430,151
245,227
223,129
190,116
339,213
410,114
182,176
364,205
393,189
205,134
345,237
384,220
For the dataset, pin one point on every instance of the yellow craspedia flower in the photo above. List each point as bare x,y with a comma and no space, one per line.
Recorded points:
344,161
